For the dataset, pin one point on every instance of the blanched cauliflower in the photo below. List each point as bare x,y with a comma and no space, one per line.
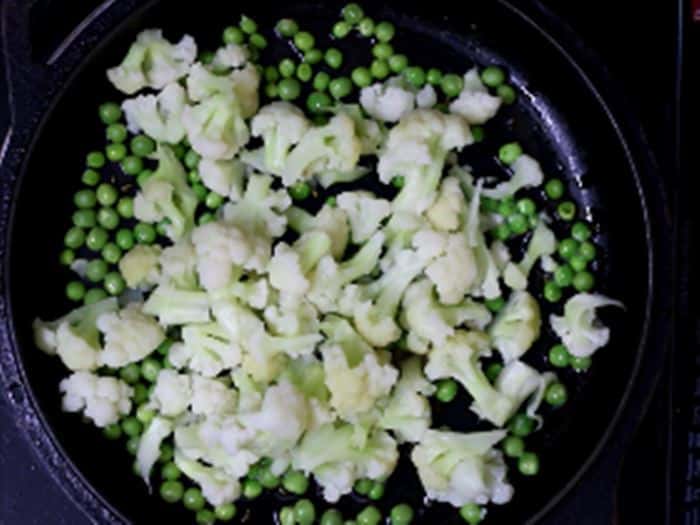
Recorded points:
365,213
139,266
172,393
386,102
517,326
527,173
206,348
104,400
177,264
159,116
475,103
225,177
455,271
212,397
219,249
129,336
330,220
215,126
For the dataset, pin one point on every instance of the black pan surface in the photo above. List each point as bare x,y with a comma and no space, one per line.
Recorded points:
561,117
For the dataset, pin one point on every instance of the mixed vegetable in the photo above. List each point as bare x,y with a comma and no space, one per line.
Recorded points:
278,291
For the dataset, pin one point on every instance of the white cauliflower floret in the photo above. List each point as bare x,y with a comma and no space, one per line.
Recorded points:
454,272
330,220
334,146
365,213
426,97
172,393
475,103
217,486
542,243
177,307
461,468
579,329
292,315
225,177
75,337
407,413
206,348
212,397
104,400
230,56
447,212
527,173
517,326
216,127
149,445
203,83
177,263
518,382
139,266
129,336
153,62
386,102
219,248
246,82
159,116
289,266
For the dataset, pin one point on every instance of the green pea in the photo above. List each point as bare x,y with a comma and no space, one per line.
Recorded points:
521,425
578,263
106,194
554,189
213,200
363,486
331,517
206,57
193,499
144,233
206,218
110,112
341,29
587,250
384,31
452,85
84,218
495,305
287,27
112,432
142,177
142,146
205,517
493,371
131,426
361,77
313,56
580,231
140,391
166,449
434,77
95,159
352,13
96,239
509,153
518,223
321,81
529,464
340,87
125,239
377,491
90,177
304,512
397,63
506,207
401,514
150,369
75,291
471,513
566,210
108,218
252,488
502,232
526,206
125,207
563,276
145,415
581,364
493,76
559,356
304,41
248,25
233,35
415,76
300,191
366,27
304,72
96,270
513,446
506,93
130,373
333,57
132,165
379,69
225,512
200,191
258,41
369,516
552,292
556,394
111,253
116,133
289,89
295,482
398,182
85,199
382,50
268,480
171,491
331,201
271,91
567,248
271,74
114,283
286,516
94,295
446,390
67,257
583,281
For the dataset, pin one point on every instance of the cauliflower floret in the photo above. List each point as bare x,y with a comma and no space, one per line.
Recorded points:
225,177
454,272
416,149
527,173
578,328
447,212
177,263
519,382
212,397
75,337
365,213
172,393
176,307
230,56
246,82
202,83
207,349
289,266
387,102
334,146
459,358
332,454
408,412
330,220
102,399
461,468
153,62
139,266
217,486
475,103
371,135
166,195
517,326
426,97
149,445
542,243
159,116
215,127
129,336
292,315
219,248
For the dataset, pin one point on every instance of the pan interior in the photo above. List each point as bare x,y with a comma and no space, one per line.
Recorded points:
558,119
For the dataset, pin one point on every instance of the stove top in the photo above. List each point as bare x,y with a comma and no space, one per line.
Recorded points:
640,44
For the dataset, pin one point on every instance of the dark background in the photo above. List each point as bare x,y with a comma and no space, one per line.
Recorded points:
652,483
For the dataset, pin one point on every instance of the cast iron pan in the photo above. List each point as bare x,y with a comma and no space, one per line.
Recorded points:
563,117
